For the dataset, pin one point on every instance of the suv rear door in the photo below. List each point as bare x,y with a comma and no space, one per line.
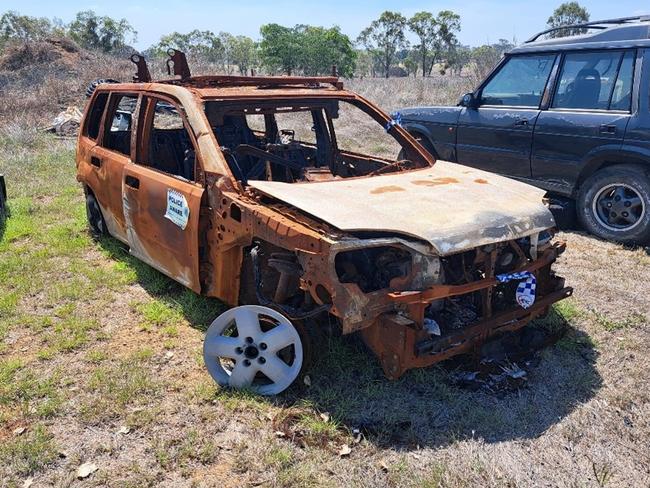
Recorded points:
586,118
104,150
498,134
161,198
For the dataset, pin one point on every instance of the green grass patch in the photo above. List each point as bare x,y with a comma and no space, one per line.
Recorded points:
69,334
632,321
113,388
28,453
26,393
179,452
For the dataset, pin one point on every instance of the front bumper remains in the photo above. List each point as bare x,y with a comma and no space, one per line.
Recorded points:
401,342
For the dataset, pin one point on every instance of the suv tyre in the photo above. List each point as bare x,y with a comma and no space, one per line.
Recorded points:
614,204
96,222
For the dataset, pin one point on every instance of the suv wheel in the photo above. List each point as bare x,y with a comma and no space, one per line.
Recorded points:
96,222
614,203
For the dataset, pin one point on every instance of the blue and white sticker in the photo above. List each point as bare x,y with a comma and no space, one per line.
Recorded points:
177,208
525,293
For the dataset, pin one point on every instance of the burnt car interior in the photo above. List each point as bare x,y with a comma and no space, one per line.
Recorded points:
275,151
170,148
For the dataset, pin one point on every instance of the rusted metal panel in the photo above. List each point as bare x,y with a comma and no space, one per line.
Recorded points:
152,236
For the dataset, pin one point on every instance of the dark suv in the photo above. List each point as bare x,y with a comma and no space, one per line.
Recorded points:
570,115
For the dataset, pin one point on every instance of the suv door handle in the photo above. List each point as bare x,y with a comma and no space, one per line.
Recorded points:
521,123
132,182
95,161
607,129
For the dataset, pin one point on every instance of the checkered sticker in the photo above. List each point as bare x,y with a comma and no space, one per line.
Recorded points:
525,294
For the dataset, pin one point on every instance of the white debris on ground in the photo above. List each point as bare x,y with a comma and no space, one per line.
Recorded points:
66,124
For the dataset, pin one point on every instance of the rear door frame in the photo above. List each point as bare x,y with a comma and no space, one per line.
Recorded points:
152,237
564,178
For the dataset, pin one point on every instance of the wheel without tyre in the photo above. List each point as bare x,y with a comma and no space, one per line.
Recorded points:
253,347
614,204
96,222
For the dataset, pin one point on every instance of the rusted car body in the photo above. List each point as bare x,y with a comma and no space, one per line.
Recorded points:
383,246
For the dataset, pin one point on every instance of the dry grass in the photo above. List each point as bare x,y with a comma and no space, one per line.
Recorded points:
100,361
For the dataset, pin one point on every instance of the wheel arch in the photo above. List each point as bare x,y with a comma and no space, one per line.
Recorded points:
420,131
609,159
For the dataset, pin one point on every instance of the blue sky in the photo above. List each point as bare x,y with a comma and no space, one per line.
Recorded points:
482,20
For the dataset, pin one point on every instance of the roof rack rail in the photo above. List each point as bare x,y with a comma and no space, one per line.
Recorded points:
260,81
596,24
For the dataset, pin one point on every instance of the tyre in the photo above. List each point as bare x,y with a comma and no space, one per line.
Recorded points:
424,142
614,204
94,84
96,222
255,348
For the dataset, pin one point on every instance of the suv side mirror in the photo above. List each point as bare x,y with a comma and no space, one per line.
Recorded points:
468,100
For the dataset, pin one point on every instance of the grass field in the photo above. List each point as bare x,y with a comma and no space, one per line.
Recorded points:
100,362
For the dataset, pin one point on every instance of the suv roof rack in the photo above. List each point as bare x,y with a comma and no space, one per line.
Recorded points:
178,60
596,24
218,81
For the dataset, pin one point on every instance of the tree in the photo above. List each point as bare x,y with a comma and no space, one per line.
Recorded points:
23,28
484,58
195,43
569,13
384,38
308,49
243,52
322,48
411,63
103,33
279,47
425,26
448,26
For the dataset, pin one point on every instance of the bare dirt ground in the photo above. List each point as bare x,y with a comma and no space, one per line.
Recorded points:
100,363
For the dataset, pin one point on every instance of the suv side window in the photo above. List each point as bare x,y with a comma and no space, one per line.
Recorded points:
95,116
118,135
170,148
622,94
595,81
520,82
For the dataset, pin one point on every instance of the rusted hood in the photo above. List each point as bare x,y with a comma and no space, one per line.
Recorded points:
453,207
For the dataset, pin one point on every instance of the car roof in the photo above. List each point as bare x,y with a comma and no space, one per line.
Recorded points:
628,32
242,87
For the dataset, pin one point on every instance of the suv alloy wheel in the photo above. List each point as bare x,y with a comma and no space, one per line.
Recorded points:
614,203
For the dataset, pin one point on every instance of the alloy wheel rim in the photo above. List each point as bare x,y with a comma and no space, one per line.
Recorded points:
253,347
618,207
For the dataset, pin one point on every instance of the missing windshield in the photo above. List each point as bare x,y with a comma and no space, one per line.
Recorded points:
302,141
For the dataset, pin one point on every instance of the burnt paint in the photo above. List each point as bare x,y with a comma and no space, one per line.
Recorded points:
435,182
386,189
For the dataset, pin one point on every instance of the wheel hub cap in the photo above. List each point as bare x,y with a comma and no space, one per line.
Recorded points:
618,207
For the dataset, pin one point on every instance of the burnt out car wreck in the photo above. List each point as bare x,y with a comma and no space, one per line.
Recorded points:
239,188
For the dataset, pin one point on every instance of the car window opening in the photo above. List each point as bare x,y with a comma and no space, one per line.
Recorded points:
290,141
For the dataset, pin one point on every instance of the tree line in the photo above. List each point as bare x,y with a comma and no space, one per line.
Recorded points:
381,49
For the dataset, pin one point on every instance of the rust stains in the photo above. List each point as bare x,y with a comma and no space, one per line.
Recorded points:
436,181
481,181
386,189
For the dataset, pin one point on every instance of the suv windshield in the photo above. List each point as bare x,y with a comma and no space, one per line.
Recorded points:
303,140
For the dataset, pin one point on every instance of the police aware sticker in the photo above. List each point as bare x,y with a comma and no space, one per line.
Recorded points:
177,209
